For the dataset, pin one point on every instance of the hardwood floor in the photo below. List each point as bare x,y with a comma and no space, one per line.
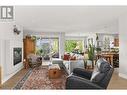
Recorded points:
115,83
9,84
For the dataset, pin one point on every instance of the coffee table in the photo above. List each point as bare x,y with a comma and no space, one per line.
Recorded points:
54,71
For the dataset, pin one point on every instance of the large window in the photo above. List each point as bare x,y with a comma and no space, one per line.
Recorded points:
73,45
47,47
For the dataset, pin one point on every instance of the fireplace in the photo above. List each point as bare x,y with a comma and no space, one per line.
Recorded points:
17,55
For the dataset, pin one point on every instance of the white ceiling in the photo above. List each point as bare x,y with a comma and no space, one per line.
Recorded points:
65,18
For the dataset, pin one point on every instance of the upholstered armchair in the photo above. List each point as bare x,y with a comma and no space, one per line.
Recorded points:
34,60
98,79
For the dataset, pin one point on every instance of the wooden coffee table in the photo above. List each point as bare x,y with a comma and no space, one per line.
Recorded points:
54,71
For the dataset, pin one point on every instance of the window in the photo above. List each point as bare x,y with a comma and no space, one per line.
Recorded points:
74,46
47,47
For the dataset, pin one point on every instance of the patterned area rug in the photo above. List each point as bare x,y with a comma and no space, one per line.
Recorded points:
38,79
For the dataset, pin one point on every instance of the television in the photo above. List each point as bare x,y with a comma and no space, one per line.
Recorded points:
17,55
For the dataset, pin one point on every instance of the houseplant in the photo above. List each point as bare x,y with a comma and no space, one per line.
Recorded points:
91,50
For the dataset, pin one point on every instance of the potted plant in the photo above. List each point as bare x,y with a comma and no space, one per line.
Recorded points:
91,50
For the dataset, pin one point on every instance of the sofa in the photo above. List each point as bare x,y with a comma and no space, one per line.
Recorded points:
72,64
98,79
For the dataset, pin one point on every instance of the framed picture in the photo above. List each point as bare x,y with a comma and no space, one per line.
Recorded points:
17,55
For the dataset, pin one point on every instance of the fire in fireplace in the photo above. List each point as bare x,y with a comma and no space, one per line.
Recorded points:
17,55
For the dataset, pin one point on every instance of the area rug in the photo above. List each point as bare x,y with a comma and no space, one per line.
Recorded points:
37,78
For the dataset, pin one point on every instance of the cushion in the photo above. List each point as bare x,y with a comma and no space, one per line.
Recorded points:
94,74
66,56
102,66
33,58
99,61
98,77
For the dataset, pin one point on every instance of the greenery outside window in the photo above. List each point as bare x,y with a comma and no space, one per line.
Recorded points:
74,46
47,47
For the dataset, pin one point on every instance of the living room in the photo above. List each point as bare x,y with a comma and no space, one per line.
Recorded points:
64,36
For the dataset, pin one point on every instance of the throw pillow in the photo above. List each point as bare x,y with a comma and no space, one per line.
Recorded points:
98,77
100,68
94,74
104,68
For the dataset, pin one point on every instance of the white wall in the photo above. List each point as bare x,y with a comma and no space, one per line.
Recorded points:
123,46
0,52
9,40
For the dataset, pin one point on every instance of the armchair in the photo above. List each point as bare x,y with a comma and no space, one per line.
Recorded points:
75,82
34,60
98,79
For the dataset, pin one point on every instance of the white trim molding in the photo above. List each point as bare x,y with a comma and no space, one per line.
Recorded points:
123,75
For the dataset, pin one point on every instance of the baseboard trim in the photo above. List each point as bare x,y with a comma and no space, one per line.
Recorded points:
123,75
12,74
